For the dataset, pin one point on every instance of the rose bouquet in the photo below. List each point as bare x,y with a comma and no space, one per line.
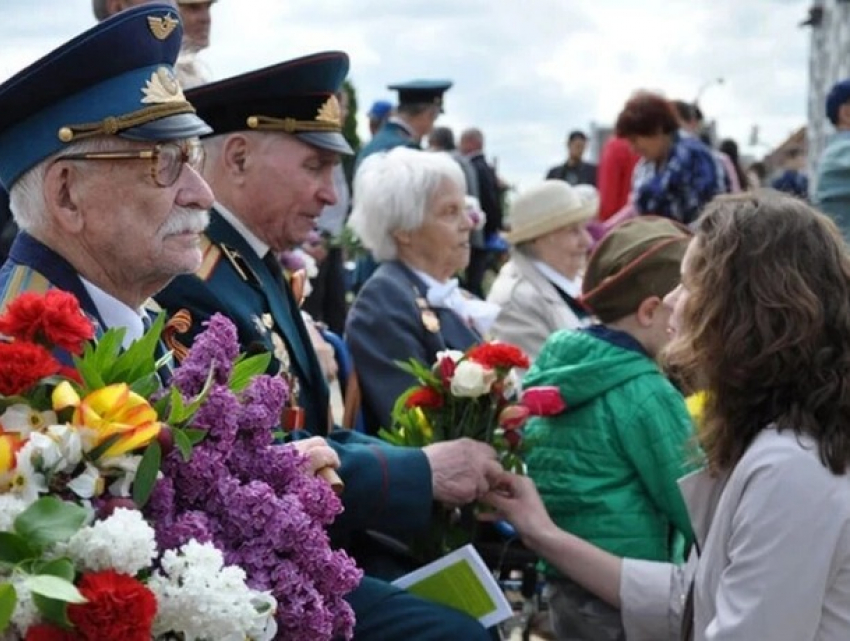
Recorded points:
82,449
475,395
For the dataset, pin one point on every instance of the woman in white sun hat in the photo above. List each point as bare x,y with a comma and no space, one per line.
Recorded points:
538,288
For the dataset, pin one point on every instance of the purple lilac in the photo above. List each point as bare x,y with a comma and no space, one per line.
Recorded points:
255,500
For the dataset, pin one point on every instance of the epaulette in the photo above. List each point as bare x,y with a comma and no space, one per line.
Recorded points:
211,255
23,279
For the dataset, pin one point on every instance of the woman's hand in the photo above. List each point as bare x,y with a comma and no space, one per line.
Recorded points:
516,500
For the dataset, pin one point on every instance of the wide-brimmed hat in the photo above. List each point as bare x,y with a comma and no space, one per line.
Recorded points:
548,206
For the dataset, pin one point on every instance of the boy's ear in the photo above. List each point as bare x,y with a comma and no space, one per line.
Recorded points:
647,310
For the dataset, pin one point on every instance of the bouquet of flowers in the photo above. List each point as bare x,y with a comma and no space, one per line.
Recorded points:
84,448
476,395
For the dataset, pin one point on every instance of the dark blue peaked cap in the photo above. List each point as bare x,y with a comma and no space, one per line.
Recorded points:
117,78
417,92
297,97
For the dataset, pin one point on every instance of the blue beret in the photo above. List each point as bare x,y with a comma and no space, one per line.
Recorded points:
838,95
417,92
297,97
117,78
380,109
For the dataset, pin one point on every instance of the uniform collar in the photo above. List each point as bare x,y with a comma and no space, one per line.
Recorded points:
116,313
233,220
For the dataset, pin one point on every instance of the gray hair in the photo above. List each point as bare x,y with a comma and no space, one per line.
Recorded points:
26,197
392,191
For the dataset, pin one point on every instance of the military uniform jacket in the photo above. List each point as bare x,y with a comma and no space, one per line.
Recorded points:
386,488
390,135
391,321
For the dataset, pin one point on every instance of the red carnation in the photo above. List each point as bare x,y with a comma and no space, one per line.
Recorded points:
119,608
43,632
22,365
424,397
544,400
447,368
501,356
53,318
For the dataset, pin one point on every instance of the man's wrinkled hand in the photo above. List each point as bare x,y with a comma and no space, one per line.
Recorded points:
318,452
460,470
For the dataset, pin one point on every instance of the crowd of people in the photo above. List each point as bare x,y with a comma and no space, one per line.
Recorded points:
662,280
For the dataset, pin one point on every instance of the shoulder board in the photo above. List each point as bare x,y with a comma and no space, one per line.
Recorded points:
23,279
211,255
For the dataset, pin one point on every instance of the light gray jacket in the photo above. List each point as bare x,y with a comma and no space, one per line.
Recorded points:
531,306
775,563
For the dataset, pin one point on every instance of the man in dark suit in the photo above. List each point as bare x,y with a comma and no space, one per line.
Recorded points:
270,167
112,238
490,198
574,170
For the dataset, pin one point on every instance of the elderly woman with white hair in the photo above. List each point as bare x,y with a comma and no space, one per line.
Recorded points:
409,211
538,288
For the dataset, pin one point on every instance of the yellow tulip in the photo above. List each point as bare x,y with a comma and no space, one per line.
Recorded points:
9,444
112,410
424,425
64,397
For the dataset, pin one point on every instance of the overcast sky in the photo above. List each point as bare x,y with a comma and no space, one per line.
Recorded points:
525,71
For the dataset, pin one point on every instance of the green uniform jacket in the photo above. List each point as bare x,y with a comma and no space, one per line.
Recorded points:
387,488
607,467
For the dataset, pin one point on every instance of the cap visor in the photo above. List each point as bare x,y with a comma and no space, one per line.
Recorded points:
332,141
169,128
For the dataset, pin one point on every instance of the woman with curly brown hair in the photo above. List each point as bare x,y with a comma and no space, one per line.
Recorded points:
762,324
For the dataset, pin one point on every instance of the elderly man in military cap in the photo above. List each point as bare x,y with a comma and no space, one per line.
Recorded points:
100,153
278,139
420,103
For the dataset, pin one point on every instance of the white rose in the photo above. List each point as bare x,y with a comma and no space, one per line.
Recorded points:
471,380
453,354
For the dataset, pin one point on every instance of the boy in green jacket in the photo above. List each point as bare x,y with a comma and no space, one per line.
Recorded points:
607,466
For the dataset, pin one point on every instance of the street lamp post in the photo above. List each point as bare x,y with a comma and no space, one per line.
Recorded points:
707,85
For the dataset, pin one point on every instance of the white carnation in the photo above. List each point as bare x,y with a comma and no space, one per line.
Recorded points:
200,598
10,507
471,380
123,542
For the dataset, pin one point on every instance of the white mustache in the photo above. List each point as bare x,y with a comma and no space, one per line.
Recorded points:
186,221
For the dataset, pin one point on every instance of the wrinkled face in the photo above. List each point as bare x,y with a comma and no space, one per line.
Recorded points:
197,19
290,183
137,231
576,148
442,242
676,300
654,148
566,249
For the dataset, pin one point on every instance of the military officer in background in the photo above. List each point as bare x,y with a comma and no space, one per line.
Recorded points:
270,164
420,103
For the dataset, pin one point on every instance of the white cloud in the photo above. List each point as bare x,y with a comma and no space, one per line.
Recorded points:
524,72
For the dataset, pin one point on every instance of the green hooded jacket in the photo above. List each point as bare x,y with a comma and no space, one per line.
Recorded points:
607,466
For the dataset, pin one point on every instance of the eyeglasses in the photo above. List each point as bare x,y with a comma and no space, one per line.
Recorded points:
166,158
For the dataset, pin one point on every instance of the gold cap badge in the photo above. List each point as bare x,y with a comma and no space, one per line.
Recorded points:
162,27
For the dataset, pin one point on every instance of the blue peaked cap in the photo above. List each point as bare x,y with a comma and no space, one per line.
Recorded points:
421,91
117,78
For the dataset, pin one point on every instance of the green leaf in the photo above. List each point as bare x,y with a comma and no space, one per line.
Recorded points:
98,451
182,442
52,610
54,587
195,436
14,549
146,474
146,385
49,520
8,601
246,369
177,412
62,568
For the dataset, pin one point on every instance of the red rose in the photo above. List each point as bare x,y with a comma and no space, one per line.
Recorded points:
543,400
22,365
424,397
119,608
43,632
501,356
513,417
53,318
